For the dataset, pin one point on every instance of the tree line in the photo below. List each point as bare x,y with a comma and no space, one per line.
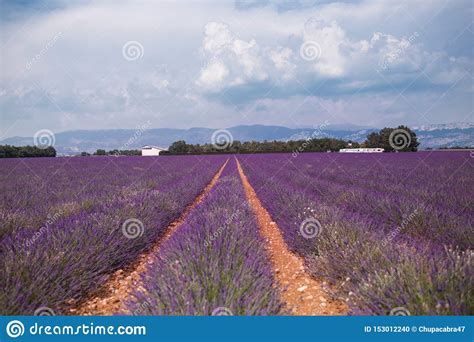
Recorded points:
292,146
8,151
401,139
101,152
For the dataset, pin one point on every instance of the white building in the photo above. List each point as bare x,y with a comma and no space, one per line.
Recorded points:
361,150
149,150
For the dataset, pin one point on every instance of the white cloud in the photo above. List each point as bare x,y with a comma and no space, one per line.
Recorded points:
282,59
217,38
336,56
230,59
194,51
331,38
248,56
213,75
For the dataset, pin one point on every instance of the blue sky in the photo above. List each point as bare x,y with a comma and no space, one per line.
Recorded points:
122,64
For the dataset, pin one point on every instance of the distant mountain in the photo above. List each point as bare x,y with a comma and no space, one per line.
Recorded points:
437,127
73,142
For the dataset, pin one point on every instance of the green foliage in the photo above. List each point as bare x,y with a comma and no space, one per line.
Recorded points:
101,152
387,138
8,151
179,147
296,147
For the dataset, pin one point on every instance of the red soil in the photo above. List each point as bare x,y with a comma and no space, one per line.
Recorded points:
109,299
302,294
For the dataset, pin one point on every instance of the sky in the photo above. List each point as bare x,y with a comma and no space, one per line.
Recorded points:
68,65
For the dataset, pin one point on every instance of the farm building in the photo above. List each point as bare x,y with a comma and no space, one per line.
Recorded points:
149,150
361,150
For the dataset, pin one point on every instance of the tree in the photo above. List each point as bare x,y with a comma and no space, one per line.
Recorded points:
8,151
179,147
292,146
373,140
401,139
100,153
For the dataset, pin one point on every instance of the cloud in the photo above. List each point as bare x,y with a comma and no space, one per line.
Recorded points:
325,59
217,38
330,39
231,61
282,59
203,64
213,75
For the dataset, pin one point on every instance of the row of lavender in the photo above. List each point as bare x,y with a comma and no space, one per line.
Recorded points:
215,263
71,222
391,230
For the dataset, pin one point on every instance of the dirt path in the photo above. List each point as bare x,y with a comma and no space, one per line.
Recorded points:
301,293
108,300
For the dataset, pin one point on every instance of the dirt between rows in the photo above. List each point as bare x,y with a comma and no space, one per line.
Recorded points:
109,299
302,294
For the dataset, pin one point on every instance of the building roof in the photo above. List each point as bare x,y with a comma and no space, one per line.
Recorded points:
362,149
155,147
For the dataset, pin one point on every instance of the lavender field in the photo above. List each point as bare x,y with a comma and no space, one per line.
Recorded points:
374,233
391,230
67,224
216,260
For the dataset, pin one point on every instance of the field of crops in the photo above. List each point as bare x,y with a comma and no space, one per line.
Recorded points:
63,228
373,233
392,230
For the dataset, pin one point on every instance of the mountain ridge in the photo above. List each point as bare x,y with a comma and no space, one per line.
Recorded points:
76,141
